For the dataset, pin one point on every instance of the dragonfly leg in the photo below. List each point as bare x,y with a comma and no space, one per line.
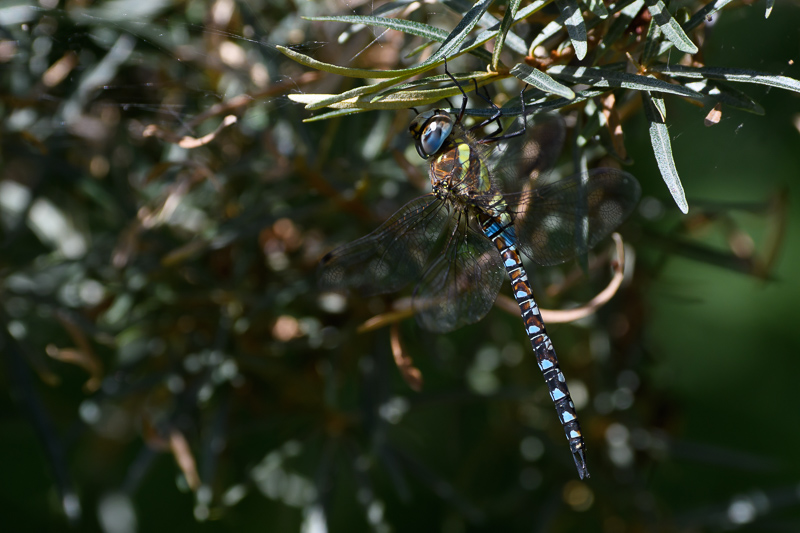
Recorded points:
493,137
463,94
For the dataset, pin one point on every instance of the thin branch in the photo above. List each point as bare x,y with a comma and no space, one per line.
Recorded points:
411,374
553,316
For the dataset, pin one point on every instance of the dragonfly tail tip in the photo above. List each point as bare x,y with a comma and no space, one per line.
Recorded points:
580,463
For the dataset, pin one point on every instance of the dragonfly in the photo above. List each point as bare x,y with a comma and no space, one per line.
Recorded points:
460,241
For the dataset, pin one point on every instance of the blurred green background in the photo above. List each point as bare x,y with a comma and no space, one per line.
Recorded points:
170,365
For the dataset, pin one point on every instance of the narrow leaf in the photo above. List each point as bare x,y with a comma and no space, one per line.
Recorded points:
548,31
406,26
619,24
698,18
461,31
530,9
598,8
463,78
770,4
410,27
544,105
652,42
365,73
598,77
334,114
672,30
386,10
513,41
346,71
719,92
541,81
576,29
358,91
662,148
505,26
730,74
399,100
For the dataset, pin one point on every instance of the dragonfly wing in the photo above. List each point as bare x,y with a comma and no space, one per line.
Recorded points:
461,285
523,158
391,256
561,220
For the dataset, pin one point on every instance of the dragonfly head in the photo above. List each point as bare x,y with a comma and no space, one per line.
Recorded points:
430,129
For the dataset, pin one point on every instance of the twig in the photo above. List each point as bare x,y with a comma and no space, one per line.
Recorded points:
411,374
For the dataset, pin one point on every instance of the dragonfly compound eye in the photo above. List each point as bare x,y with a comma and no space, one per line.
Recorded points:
434,134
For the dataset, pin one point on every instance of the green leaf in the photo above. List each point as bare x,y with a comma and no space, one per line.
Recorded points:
619,24
530,9
655,110
698,18
597,77
505,26
542,81
488,21
705,11
543,105
410,27
718,92
385,10
335,114
460,32
346,71
451,47
358,91
729,74
598,8
406,26
401,73
548,31
398,100
672,30
463,77
652,42
576,29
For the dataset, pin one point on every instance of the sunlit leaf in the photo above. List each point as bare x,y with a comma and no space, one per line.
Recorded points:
597,77
619,24
540,80
358,91
672,30
505,25
730,74
652,43
487,21
655,111
698,18
573,22
406,26
598,8
465,78
723,93
461,31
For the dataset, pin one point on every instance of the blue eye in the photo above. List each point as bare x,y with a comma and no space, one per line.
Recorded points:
437,130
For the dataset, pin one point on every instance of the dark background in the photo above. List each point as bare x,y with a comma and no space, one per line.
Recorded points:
190,298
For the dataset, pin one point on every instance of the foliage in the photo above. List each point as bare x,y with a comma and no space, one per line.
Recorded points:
559,43
170,364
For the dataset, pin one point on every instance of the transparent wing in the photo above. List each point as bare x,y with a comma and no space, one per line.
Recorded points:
461,284
515,161
391,256
558,221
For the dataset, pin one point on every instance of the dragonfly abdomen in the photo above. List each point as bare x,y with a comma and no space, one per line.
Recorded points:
495,229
